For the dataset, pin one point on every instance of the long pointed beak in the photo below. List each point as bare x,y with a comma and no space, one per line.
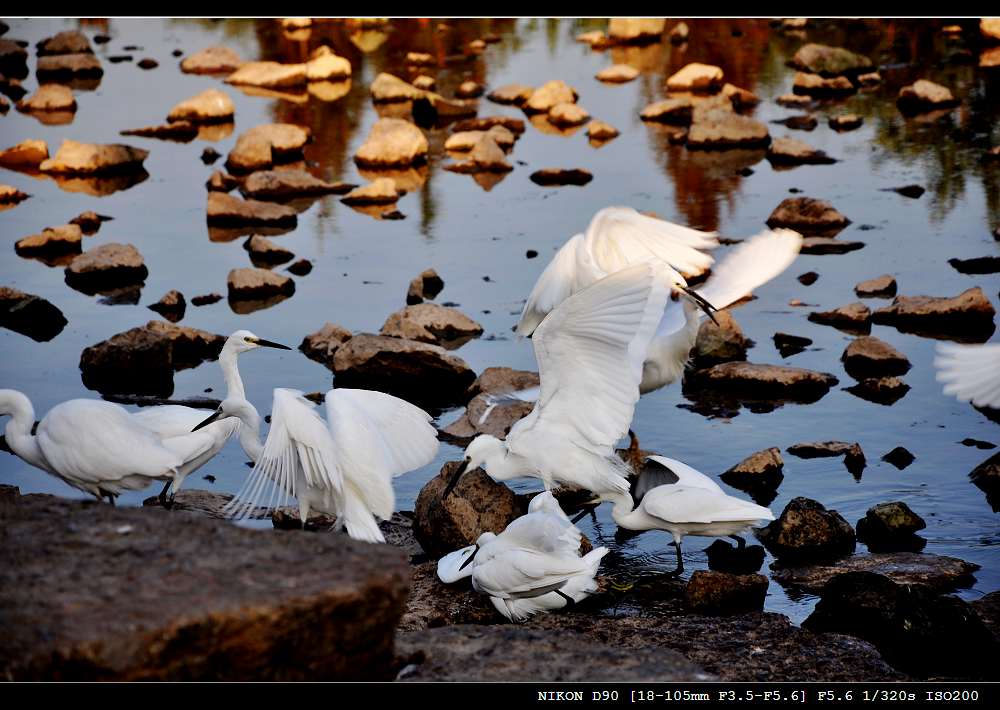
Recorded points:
470,559
271,344
215,415
454,479
703,304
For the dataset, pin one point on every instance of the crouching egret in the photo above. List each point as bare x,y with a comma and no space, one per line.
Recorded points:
970,372
343,466
670,495
590,350
171,420
533,566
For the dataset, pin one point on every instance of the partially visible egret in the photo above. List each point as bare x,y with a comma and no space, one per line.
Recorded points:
533,566
343,466
670,495
590,351
970,372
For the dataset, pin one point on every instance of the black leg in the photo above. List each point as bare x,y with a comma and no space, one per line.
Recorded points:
740,542
111,499
680,561
570,601
582,514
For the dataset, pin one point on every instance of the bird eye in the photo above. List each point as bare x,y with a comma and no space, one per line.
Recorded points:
247,339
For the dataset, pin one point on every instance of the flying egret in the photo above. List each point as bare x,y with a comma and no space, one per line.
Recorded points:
619,237
533,566
96,446
970,372
590,351
171,420
343,466
670,495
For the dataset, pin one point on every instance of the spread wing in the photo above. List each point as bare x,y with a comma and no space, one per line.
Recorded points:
750,265
970,372
555,285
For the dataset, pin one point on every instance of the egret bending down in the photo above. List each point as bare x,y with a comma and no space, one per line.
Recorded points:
970,372
533,566
343,466
670,495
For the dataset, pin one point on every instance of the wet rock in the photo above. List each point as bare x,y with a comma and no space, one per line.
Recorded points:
171,306
793,101
485,123
720,343
426,285
617,74
260,147
566,115
68,67
808,278
387,88
868,356
30,315
206,299
325,65
986,477
979,265
264,252
212,60
469,90
516,94
147,63
431,323
806,122
696,77
854,457
268,75
392,142
882,390
257,284
816,85
227,210
989,28
788,344
26,155
740,98
466,140
790,151
595,38
210,106
68,42
889,527
829,61
870,79
486,156
766,381
561,176
726,557
806,531
89,222
924,95
630,30
239,614
721,593
977,443
599,131
476,505
221,182
107,266
425,83
937,572
10,195
675,111
884,285
210,155
845,122
321,345
279,185
719,127
548,95
381,191
807,215
74,158
911,191
431,603
489,412
49,97
825,245
969,313
679,33
759,474
424,374
914,629
205,503
183,131
52,241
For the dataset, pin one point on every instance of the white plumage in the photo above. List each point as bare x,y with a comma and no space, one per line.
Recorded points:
970,373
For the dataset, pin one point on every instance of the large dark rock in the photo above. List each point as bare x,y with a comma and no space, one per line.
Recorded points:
321,345
722,593
288,184
424,286
194,598
425,374
227,210
891,526
987,477
431,323
882,390
105,268
807,215
726,557
807,531
829,61
868,356
854,457
941,573
720,343
766,380
759,474
489,411
969,314
476,505
30,315
914,629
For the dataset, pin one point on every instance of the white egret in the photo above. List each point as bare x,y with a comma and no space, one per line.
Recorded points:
172,420
670,495
619,237
970,372
343,466
533,566
590,350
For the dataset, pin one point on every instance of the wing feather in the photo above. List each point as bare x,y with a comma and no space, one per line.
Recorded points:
681,504
750,265
555,285
970,372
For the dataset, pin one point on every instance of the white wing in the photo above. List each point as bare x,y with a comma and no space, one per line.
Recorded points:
680,504
970,372
750,265
521,573
590,352
576,588
171,420
545,532
687,476
557,283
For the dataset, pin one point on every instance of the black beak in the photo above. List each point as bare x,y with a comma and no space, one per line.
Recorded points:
471,558
215,415
702,303
271,344
454,478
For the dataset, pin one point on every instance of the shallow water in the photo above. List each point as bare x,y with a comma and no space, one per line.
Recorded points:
362,266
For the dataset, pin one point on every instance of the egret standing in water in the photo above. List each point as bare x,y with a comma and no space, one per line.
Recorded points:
343,466
590,351
670,495
970,372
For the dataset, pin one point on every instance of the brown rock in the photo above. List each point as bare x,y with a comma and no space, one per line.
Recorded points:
829,61
390,89
720,343
721,593
854,457
788,344
816,85
716,126
90,221
49,97
740,98
595,38
846,122
425,83
516,94
617,74
10,195
675,111
302,267
882,390
206,299
476,505
561,176
264,251
485,123
257,284
854,317
805,122
469,90
68,66
392,142
466,140
107,266
321,345
212,60
986,477
868,356
485,156
27,154
227,210
970,312
548,95
210,106
940,573
790,151
221,182
826,245
599,131
768,381
884,285
183,131
632,30
64,239
568,114
696,77
793,101
381,191
325,65
425,285
262,146
759,472
30,315
889,525
431,323
488,414
807,215
806,531
68,42
268,75
679,33
171,306
870,79
75,158
924,95
287,184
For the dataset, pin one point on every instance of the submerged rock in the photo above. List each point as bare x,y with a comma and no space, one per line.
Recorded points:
183,131
969,313
210,106
426,285
106,267
212,60
826,245
807,215
805,531
940,573
322,345
854,457
868,356
430,323
30,315
790,151
721,593
392,142
227,210
788,344
74,158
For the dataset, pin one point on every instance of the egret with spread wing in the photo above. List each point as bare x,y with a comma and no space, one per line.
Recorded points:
343,466
970,372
